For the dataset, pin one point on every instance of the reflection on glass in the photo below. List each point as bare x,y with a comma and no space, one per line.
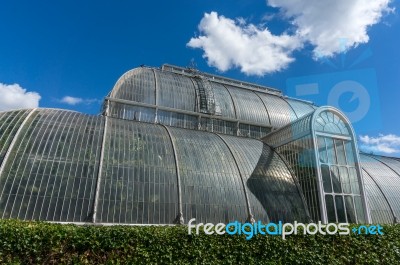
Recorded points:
337,188
331,150
340,152
322,150
359,209
330,208
354,180
340,209
351,216
349,153
326,178
345,179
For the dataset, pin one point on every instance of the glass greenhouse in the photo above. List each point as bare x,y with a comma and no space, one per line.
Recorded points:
174,143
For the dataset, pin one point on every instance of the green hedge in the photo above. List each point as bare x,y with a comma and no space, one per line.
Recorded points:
44,243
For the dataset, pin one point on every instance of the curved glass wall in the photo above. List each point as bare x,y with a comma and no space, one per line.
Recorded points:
280,112
271,186
386,179
212,190
300,108
249,106
379,208
138,183
224,99
10,122
51,171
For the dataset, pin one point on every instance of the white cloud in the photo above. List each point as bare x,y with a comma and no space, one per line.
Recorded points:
329,26
254,50
75,101
387,144
16,97
71,100
324,23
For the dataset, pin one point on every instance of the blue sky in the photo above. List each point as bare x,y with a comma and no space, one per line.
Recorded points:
76,51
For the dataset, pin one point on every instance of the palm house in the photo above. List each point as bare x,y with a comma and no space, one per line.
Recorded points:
172,144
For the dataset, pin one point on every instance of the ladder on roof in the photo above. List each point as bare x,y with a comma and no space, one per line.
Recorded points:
206,96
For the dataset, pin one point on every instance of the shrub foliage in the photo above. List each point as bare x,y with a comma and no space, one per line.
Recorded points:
45,243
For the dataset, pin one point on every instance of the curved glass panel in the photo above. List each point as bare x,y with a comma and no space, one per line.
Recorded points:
212,190
390,162
139,182
9,125
279,110
301,108
249,106
385,178
267,179
175,91
378,205
329,122
52,169
290,132
136,85
224,100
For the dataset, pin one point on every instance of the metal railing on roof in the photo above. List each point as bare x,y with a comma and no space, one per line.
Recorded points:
219,79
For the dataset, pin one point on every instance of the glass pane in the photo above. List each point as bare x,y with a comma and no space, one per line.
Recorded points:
351,215
330,209
349,153
326,178
337,188
354,180
359,209
322,150
331,151
340,209
345,179
340,152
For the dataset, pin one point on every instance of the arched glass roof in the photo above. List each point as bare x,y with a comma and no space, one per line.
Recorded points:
184,92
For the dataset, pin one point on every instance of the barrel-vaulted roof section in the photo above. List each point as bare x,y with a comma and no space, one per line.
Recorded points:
233,99
386,175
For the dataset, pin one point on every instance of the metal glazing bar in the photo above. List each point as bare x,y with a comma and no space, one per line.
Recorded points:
19,115
336,136
16,136
295,113
179,219
100,170
155,94
320,187
266,110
